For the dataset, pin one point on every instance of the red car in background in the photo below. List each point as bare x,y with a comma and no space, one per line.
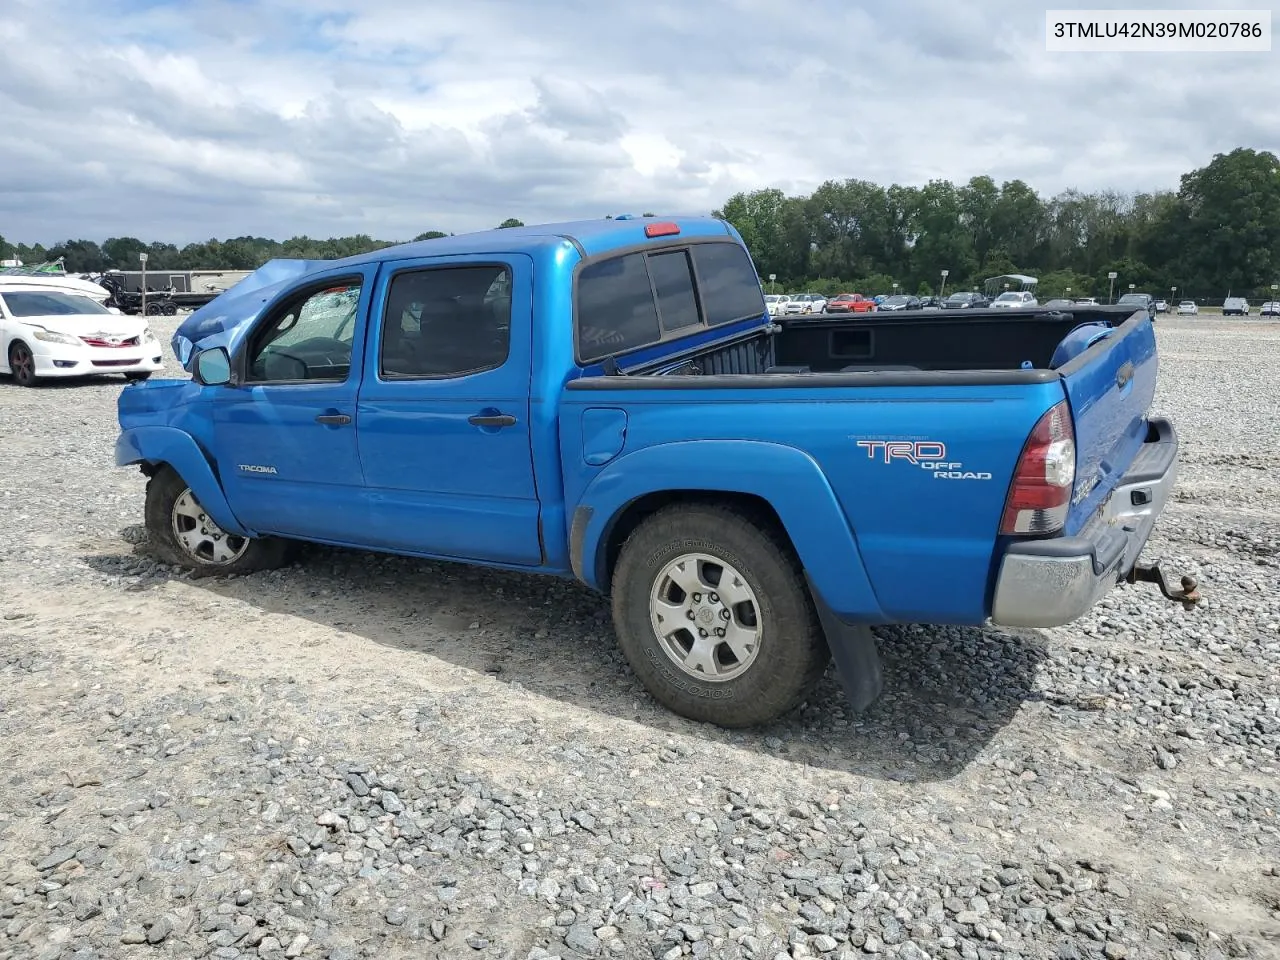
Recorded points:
850,303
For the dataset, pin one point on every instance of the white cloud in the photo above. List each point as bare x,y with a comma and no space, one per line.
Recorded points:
188,119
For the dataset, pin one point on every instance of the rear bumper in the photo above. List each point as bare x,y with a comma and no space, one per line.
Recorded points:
1048,583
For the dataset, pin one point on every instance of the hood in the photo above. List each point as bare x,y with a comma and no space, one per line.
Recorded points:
89,324
223,320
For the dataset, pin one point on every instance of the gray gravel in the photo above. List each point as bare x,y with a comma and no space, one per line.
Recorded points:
368,756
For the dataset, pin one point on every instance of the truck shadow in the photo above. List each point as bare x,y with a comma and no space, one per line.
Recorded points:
948,690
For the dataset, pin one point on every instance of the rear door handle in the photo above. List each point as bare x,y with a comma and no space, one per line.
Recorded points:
496,420
336,418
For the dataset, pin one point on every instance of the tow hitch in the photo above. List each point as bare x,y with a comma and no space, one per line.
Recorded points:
1188,596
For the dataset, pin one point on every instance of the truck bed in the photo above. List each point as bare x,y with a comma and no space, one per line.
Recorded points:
964,387
957,340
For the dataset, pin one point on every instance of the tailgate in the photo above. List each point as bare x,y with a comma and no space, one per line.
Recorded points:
1110,388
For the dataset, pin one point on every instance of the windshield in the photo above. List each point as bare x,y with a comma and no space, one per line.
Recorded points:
1006,297
1133,298
33,303
898,299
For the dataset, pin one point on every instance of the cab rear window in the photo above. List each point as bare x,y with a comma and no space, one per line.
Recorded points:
638,299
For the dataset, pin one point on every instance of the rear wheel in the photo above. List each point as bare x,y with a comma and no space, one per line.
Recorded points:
185,535
22,364
713,615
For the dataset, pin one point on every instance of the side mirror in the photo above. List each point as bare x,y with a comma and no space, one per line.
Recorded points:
213,367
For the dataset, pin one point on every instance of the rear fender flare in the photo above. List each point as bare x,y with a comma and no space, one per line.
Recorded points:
168,445
789,479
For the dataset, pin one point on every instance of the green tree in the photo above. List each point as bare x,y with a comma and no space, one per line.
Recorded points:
510,222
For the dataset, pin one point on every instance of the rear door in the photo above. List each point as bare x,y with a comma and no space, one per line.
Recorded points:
1110,387
443,412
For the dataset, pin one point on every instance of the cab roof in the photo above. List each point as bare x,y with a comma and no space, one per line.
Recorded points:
591,237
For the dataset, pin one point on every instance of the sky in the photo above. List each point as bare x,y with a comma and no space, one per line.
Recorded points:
184,120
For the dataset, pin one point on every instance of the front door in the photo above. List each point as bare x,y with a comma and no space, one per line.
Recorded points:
444,411
285,436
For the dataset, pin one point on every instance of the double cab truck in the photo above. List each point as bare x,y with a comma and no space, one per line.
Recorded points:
609,400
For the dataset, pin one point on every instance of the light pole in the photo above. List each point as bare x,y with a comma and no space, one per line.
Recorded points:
1131,286
772,277
1068,293
1111,293
943,292
895,289
142,258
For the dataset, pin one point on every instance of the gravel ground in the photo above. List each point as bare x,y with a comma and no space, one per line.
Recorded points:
365,756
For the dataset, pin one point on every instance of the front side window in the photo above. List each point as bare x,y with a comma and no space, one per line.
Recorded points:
446,322
309,339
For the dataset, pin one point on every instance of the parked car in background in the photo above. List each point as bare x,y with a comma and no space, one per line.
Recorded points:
47,333
1270,309
1188,308
1162,306
965,300
1087,301
1015,300
850,303
899,301
1235,307
1140,301
774,302
1061,303
930,303
802,303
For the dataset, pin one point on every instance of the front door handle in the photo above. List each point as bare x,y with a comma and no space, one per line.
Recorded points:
496,420
335,418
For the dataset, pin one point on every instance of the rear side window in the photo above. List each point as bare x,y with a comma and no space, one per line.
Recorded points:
728,282
616,309
636,299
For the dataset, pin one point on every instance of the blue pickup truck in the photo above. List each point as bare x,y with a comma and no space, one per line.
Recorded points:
609,400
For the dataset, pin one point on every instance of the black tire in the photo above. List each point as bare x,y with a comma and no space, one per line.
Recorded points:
791,652
141,375
164,489
22,364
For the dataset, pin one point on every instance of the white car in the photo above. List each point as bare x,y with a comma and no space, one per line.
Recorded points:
775,303
1187,307
1270,309
48,333
1087,301
1014,299
806,303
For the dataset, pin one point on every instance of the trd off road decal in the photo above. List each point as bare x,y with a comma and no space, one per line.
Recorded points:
928,455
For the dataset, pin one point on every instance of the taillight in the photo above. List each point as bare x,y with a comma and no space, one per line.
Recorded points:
1040,494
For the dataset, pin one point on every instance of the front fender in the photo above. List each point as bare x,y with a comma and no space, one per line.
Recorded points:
169,445
789,479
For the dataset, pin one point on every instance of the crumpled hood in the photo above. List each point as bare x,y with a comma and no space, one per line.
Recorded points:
223,321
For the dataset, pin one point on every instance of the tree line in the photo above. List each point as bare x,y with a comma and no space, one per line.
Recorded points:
1217,234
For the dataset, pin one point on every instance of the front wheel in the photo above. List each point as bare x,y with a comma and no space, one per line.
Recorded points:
713,615
22,364
186,536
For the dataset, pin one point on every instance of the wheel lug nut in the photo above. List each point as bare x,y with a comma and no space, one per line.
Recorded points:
697,598
724,614
701,632
714,598
689,614
719,631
